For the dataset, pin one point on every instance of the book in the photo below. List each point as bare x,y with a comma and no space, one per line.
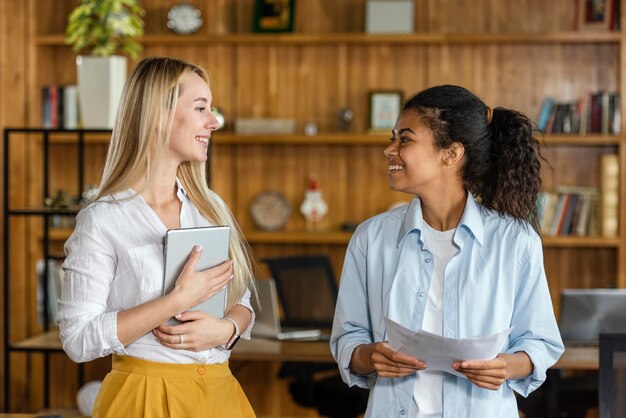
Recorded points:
609,194
544,113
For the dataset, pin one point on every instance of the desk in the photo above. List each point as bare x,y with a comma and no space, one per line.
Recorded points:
574,358
579,358
259,349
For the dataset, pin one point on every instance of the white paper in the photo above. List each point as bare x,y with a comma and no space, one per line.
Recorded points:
440,352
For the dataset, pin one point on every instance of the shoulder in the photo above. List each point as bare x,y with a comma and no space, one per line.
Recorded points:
385,225
508,230
105,211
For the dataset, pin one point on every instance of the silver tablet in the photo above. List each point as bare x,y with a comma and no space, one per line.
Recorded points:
178,246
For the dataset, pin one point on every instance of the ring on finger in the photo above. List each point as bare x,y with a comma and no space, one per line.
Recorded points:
181,339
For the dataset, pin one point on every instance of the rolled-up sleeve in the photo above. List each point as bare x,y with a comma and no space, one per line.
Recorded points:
245,302
87,329
351,325
535,329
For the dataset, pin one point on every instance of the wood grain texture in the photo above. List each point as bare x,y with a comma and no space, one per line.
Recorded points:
483,45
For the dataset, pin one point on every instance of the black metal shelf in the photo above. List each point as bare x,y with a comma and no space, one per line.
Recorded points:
32,344
42,212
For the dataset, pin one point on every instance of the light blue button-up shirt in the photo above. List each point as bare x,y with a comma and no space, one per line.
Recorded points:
494,282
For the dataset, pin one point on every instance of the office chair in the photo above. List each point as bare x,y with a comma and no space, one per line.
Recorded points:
307,289
612,388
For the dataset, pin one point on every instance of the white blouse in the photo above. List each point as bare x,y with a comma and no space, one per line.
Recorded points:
114,261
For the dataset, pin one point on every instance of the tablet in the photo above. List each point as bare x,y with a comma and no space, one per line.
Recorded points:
178,246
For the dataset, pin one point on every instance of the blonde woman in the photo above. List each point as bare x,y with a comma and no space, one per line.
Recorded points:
112,303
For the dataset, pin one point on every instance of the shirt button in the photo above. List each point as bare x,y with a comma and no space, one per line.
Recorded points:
201,371
420,294
427,259
403,412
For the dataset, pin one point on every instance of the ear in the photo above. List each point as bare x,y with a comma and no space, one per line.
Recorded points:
453,154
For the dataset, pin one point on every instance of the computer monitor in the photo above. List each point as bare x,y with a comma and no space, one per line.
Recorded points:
307,289
585,313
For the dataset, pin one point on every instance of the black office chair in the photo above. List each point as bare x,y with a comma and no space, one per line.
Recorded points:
307,289
612,388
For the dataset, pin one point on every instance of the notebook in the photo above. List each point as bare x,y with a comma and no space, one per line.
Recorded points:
585,313
267,322
178,246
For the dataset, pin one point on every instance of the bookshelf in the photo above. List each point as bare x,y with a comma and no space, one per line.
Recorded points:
511,55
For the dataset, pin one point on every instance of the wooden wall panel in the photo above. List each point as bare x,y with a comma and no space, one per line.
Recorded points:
308,83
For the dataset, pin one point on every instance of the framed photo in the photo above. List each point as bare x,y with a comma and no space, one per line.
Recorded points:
384,108
595,15
274,15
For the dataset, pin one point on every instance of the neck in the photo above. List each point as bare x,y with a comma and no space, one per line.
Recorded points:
444,214
159,191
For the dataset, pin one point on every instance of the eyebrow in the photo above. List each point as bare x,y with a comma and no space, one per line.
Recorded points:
202,99
401,131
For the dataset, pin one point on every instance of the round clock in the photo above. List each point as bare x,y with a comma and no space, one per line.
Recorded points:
184,18
270,210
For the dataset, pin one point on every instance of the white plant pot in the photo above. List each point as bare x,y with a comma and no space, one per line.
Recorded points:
100,84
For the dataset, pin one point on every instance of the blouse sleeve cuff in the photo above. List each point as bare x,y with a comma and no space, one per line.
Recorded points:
541,363
109,330
245,302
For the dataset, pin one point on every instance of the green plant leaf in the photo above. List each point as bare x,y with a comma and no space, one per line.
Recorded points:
104,27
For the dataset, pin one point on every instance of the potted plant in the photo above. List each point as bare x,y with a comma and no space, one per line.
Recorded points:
102,28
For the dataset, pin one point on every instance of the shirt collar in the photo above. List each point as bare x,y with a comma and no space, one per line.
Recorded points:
180,190
471,220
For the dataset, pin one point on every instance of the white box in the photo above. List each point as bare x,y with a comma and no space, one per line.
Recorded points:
260,126
389,16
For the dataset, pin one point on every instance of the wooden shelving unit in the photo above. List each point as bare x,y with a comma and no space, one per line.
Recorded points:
509,55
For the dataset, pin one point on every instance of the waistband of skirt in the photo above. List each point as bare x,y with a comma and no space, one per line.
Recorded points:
129,364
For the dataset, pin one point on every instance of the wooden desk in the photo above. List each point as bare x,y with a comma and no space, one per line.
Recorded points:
579,358
261,349
575,358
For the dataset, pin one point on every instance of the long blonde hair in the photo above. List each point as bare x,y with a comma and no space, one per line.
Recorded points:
146,110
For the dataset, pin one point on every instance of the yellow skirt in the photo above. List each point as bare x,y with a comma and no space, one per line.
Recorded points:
141,388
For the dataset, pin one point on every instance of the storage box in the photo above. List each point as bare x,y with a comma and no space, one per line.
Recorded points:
389,16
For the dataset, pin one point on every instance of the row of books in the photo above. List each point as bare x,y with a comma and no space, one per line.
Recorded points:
60,107
584,210
570,210
592,113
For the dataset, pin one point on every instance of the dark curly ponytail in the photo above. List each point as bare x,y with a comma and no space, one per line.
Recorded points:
502,157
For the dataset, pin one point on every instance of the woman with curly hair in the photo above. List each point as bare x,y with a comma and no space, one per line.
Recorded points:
463,259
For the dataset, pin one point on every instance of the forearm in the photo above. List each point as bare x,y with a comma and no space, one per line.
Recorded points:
241,315
139,320
361,360
519,365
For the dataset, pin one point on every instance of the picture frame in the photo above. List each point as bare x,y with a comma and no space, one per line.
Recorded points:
384,108
595,15
274,15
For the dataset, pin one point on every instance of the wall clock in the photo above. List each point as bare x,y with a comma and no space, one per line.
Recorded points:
184,18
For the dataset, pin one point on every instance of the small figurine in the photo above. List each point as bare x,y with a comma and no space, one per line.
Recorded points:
314,208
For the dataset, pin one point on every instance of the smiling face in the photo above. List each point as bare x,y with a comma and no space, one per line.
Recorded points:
415,165
193,121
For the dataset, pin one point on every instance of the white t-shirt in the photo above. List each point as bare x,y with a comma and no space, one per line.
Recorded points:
428,389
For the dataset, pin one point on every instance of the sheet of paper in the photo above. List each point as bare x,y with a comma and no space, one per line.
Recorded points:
440,352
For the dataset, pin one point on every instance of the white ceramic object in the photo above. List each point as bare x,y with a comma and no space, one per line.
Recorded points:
100,84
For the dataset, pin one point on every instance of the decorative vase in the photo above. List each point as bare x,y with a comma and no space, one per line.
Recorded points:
100,84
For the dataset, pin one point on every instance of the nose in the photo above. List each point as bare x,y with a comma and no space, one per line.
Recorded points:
211,122
391,149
